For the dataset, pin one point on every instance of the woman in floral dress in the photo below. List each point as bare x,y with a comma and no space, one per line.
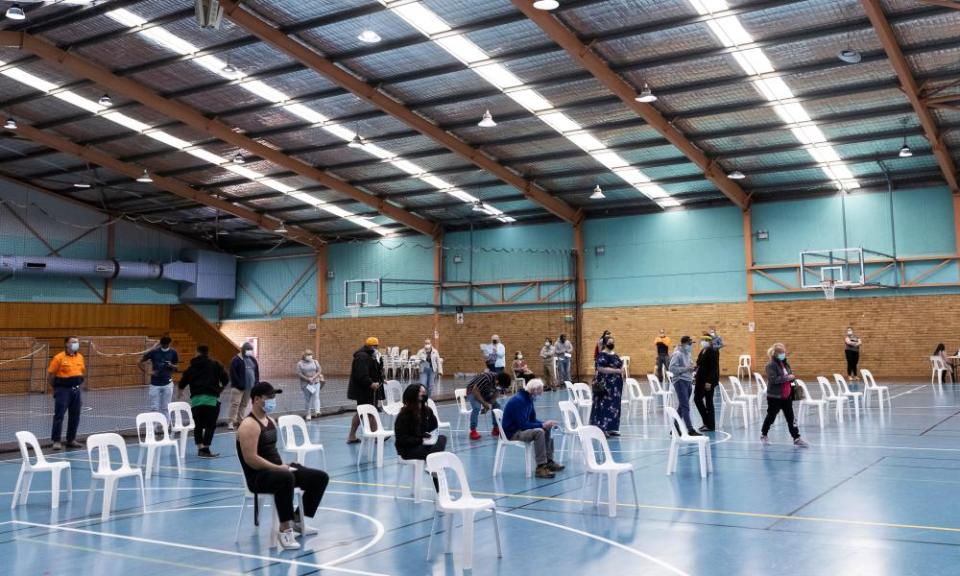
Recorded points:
605,412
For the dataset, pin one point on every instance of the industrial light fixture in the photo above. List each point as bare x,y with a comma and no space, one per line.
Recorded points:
487,120
646,95
230,69
281,229
357,142
478,206
905,151
597,193
546,4
15,12
369,37
736,175
238,158
105,101
145,178
81,185
10,124
849,55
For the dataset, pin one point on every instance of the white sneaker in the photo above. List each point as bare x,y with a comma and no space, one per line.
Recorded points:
229,425
288,541
309,416
800,443
764,440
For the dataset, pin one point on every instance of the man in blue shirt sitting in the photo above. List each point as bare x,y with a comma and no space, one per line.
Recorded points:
164,360
520,423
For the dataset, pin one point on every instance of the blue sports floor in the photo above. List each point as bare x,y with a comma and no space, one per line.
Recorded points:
880,498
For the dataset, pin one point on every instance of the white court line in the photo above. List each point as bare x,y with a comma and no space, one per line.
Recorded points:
296,563
908,391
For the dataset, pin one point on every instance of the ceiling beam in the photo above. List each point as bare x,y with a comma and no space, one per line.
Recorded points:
80,66
908,83
945,3
594,64
373,95
171,185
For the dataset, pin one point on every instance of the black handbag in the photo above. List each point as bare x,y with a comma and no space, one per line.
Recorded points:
796,392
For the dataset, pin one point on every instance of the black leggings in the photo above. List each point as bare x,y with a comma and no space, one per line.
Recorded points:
205,420
421,452
704,402
853,358
775,405
281,485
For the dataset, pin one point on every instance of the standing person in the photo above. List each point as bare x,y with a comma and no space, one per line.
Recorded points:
605,412
265,472
662,343
780,383
482,394
563,350
414,423
705,384
67,371
520,424
549,356
164,360
311,382
499,353
681,366
851,350
206,379
366,382
716,341
601,345
244,375
429,358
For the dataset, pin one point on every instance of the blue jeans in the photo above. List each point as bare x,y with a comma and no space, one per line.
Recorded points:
66,400
563,367
160,397
426,379
682,388
477,407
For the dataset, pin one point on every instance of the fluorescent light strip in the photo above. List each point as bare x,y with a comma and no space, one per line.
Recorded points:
730,32
462,48
263,90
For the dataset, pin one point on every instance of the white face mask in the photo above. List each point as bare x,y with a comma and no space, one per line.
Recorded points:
248,353
519,356
74,346
308,358
849,332
428,347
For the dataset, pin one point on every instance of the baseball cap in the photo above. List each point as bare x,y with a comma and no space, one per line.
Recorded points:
264,389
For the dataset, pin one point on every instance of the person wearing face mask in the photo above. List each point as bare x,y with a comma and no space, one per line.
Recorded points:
244,375
413,426
520,368
206,379
366,382
548,355
520,424
681,366
311,382
705,383
164,360
499,354
780,383
662,343
265,472
601,345
605,412
429,358
563,350
66,372
852,351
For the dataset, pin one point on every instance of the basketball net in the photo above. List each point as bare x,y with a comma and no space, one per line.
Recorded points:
829,290
355,310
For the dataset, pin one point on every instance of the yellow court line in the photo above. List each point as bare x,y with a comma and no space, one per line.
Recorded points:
763,515
129,556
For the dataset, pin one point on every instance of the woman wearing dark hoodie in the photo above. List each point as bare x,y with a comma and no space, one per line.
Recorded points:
780,383
414,423
206,379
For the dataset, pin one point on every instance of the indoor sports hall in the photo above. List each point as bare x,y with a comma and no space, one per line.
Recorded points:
485,287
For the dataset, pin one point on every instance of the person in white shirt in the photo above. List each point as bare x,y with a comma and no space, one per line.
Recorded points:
548,355
563,349
500,353
311,382
429,359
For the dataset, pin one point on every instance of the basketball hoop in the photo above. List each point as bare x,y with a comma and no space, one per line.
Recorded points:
355,310
829,289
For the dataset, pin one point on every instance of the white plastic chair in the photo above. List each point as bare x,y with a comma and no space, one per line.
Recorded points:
939,369
626,366
728,404
808,401
467,506
181,423
275,519
753,402
104,470
571,425
289,425
149,422
440,423
502,444
870,385
827,393
635,395
684,437
417,465
463,407
393,394
658,391
761,388
745,366
844,390
27,442
582,395
607,468
570,395
369,439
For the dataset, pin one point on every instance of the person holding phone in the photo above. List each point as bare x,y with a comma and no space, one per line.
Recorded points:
780,383
164,361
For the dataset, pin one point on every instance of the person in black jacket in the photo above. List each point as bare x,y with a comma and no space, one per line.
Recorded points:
414,424
206,379
366,382
244,375
705,383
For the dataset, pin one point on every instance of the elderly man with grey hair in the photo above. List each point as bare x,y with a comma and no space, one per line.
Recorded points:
520,424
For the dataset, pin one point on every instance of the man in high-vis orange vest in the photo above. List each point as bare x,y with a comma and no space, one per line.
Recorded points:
66,373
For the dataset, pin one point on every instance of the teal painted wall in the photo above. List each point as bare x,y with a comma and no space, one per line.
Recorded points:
270,288
675,257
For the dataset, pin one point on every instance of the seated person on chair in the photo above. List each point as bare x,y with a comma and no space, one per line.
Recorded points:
266,473
520,368
414,425
482,394
520,424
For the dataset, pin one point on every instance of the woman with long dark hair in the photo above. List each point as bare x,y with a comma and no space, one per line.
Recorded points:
414,424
